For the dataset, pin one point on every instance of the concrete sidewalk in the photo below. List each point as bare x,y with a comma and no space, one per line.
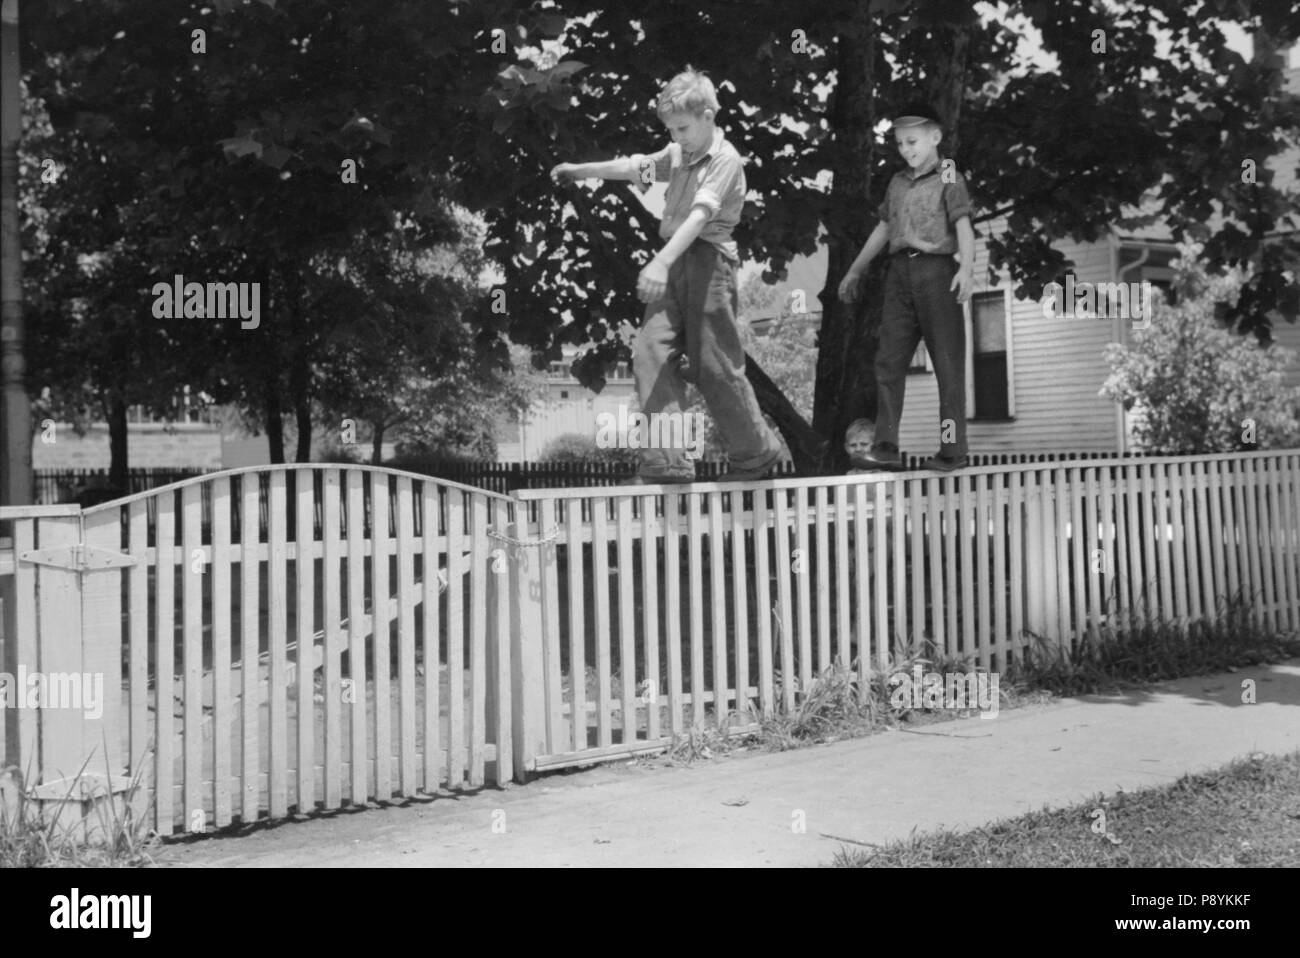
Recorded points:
744,810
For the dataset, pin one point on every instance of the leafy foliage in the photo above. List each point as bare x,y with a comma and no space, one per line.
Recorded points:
1194,385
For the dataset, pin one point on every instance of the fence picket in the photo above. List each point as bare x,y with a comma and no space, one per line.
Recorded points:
802,565
164,652
1286,492
1081,556
408,773
983,581
881,591
250,601
1267,526
359,753
431,634
694,546
304,666
1016,578
916,562
603,633
1252,540
999,499
740,602
331,559
935,501
862,582
480,569
821,511
763,601
577,627
968,529
1061,497
650,615
140,742
456,575
843,653
277,592
672,608
1198,546
902,639
221,670
626,620
192,572
718,605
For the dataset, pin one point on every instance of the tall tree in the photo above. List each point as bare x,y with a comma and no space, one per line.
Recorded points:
258,140
1060,149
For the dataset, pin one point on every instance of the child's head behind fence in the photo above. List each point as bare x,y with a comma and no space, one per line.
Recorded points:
859,436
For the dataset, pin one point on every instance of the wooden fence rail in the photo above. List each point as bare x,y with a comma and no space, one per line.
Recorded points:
302,637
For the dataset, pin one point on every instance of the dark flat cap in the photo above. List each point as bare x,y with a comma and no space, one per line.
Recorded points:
915,113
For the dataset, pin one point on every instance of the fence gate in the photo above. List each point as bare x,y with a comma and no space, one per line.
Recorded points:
60,697
268,640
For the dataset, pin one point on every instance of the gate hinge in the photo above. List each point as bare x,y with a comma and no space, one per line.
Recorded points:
78,558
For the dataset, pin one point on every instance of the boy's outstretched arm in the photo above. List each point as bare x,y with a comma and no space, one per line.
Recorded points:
874,244
964,279
652,282
620,168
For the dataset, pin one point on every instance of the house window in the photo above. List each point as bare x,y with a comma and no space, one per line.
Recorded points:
564,394
991,377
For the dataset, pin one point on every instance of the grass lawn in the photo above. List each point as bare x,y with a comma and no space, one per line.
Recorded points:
1246,814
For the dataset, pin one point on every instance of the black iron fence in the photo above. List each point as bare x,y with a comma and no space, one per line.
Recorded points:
92,486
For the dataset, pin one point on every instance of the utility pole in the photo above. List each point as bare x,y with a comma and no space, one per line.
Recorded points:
15,407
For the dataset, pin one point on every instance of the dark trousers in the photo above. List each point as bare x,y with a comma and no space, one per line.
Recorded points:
694,326
920,305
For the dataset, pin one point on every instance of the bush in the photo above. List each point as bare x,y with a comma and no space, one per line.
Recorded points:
1197,387
575,447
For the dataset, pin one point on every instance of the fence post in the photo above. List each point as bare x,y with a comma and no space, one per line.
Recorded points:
527,661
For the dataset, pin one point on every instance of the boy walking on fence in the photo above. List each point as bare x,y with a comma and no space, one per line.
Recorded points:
689,288
925,219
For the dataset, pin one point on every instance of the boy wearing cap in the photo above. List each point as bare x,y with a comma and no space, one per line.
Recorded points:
924,219
690,286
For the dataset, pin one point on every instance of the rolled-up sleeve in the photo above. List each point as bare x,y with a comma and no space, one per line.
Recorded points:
956,201
723,174
661,163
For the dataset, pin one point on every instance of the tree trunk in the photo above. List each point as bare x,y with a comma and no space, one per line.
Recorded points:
299,373
298,376
273,413
806,446
118,450
377,444
846,379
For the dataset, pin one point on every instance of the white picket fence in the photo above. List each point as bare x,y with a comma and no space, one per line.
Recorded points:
459,637
726,601
383,576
